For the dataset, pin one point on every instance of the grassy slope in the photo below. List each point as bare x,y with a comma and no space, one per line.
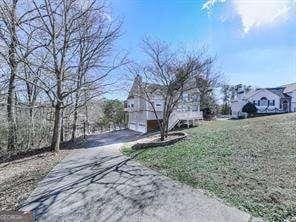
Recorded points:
249,163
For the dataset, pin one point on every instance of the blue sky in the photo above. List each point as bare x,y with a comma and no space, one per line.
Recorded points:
254,40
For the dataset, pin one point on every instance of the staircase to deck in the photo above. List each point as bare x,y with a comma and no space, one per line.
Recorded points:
178,116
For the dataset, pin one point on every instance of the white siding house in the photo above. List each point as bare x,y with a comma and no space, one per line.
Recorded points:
267,100
141,116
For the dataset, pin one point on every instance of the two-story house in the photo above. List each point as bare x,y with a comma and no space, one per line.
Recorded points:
141,115
267,100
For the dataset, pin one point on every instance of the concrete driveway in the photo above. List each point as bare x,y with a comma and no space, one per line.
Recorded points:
100,184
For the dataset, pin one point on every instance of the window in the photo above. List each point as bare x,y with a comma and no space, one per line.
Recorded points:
271,102
254,102
158,104
132,105
185,97
195,108
263,101
195,99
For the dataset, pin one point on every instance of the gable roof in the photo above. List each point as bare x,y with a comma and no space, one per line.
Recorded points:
279,91
139,87
290,87
149,87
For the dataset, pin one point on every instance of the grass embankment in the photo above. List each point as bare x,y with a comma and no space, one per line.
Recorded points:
251,163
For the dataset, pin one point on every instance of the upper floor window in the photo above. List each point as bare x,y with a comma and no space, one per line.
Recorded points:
263,101
195,98
125,104
185,97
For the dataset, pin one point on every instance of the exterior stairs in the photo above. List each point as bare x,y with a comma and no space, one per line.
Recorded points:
178,116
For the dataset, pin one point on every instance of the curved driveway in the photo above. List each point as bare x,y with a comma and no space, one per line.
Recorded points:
100,184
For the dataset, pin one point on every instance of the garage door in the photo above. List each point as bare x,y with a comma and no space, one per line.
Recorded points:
152,125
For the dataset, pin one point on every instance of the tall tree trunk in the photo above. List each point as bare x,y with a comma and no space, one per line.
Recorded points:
11,140
11,113
62,127
56,135
31,130
74,124
166,124
86,115
75,117
162,134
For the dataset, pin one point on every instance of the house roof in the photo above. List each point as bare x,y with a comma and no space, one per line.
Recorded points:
279,91
139,87
152,86
290,87
149,87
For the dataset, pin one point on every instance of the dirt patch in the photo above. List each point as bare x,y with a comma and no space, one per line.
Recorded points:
20,177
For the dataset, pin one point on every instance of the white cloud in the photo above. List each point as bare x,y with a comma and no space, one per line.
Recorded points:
257,13
210,3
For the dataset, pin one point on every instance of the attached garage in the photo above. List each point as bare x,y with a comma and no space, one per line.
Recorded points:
152,125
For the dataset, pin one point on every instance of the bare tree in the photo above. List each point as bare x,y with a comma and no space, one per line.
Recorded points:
169,74
96,41
207,83
54,59
77,36
15,15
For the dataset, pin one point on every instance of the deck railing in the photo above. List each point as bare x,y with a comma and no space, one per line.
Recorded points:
183,115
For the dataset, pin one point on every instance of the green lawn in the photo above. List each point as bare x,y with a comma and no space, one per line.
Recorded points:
250,164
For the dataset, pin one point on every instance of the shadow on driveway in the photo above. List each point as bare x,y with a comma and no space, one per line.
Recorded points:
102,185
94,188
103,139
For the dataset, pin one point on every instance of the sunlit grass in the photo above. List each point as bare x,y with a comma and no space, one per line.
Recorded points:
251,163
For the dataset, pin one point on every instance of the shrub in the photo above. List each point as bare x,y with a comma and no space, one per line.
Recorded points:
250,108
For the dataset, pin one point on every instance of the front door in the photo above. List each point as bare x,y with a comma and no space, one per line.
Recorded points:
285,106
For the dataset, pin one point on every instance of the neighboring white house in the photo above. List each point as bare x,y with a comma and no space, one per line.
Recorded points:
140,113
267,100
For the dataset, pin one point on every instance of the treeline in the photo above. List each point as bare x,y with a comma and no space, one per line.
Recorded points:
113,116
228,93
55,57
